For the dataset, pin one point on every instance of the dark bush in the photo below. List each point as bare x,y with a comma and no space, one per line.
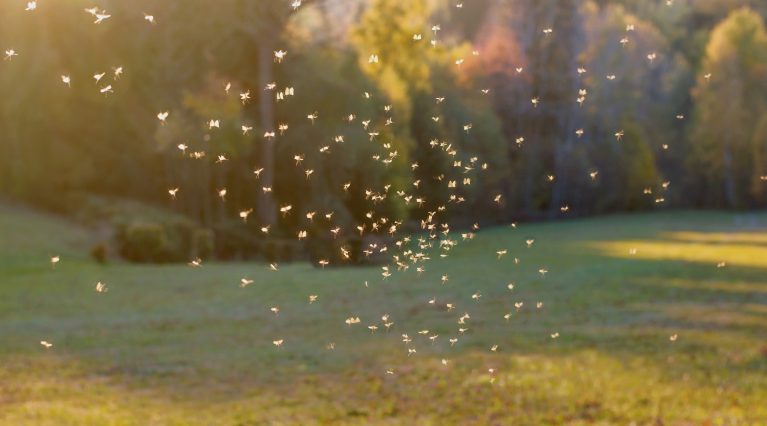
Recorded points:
372,246
99,253
233,242
332,250
203,243
144,242
172,241
282,250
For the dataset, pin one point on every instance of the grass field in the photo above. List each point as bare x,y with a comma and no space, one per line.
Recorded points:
182,345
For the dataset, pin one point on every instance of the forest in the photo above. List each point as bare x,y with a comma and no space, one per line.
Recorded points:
272,129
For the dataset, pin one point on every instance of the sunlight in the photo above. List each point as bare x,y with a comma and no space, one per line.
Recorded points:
724,286
719,237
718,249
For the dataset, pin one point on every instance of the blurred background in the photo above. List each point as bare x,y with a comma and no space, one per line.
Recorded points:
560,107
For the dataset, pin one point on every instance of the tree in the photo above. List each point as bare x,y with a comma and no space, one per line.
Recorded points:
548,61
263,22
730,99
399,65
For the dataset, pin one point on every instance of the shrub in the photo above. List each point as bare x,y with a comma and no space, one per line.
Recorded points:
144,242
99,253
203,243
234,242
282,250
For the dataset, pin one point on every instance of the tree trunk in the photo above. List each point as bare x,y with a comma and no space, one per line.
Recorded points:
570,34
729,181
207,190
267,209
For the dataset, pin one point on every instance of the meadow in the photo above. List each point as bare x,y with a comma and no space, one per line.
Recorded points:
174,344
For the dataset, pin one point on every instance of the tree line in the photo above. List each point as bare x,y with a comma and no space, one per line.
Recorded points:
503,110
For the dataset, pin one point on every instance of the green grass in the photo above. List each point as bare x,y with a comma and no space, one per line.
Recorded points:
182,345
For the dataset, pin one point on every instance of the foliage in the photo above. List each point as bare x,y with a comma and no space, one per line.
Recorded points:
203,243
64,143
99,252
730,99
144,242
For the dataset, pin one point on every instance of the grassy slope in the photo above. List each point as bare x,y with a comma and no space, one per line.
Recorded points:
182,345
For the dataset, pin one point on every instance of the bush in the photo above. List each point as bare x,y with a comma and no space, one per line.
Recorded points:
158,242
145,233
99,253
232,241
144,242
282,250
330,249
203,243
